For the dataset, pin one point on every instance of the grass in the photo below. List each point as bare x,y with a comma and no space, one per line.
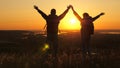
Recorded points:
21,50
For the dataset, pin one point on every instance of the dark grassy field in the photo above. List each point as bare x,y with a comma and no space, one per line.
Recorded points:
23,49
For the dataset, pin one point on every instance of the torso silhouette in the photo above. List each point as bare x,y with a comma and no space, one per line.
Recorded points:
52,24
52,21
87,25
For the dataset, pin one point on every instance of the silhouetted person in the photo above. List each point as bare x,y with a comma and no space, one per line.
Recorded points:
52,21
87,29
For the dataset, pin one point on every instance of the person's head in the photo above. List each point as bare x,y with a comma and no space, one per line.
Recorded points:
53,12
86,15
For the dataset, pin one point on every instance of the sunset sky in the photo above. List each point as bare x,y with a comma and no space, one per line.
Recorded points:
20,14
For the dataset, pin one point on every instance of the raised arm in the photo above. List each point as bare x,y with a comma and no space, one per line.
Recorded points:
41,12
76,14
96,17
64,13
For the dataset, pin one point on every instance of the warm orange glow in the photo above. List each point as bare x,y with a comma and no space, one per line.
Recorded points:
20,14
70,22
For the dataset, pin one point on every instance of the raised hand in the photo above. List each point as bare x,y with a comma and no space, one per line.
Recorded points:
35,7
71,7
102,14
68,7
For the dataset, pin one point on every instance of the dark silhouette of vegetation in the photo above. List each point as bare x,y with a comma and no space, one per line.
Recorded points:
105,50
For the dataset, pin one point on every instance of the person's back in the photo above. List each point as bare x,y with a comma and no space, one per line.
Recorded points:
87,25
52,24
87,29
52,20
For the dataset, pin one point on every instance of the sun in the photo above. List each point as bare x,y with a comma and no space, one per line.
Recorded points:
72,21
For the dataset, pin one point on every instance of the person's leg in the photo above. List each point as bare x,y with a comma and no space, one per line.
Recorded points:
88,45
55,50
83,47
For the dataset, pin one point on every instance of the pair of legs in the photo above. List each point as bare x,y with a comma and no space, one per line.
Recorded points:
52,40
85,45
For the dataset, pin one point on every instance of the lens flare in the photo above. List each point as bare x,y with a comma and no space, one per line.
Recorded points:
46,46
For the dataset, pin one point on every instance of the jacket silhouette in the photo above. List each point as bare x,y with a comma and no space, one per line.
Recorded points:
87,29
52,21
87,22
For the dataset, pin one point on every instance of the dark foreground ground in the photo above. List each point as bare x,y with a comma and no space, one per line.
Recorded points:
25,49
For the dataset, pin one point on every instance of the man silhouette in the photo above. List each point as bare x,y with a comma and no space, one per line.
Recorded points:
52,22
87,29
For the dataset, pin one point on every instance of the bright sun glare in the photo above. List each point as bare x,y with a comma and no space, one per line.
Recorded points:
72,21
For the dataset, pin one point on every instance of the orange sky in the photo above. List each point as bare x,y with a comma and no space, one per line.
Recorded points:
20,14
